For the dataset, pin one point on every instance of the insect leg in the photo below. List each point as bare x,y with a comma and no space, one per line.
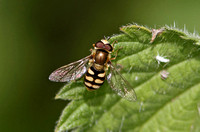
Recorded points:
116,54
114,43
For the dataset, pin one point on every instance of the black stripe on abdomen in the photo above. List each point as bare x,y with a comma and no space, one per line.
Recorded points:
93,78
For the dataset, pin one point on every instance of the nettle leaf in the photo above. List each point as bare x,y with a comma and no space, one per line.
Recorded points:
168,102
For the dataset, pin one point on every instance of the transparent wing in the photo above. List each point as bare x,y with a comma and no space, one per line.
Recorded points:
119,84
70,72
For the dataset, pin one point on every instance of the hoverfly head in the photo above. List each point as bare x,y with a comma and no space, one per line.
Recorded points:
104,44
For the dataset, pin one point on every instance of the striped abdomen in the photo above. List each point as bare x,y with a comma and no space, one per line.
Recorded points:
94,78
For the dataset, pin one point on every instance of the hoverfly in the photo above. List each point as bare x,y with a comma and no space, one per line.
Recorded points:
94,67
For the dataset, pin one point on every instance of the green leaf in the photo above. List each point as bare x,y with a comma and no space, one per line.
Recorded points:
163,104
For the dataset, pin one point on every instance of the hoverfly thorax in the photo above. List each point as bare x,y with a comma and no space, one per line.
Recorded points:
101,57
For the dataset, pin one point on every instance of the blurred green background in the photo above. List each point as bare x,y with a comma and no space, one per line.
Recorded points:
38,36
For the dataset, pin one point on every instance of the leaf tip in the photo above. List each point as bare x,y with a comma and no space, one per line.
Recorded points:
57,96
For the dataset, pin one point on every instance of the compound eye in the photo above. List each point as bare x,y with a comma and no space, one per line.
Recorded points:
99,44
108,47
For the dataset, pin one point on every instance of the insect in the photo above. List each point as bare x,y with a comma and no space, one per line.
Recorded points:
162,59
94,68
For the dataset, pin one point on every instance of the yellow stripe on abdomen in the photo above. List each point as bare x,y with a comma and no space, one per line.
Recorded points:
89,78
98,81
101,74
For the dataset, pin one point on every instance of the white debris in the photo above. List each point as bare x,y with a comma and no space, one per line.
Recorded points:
164,74
198,107
121,125
155,33
141,104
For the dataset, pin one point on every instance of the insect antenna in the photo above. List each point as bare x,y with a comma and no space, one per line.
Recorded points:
106,38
